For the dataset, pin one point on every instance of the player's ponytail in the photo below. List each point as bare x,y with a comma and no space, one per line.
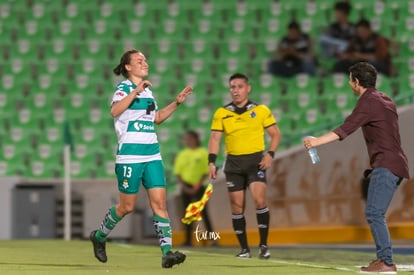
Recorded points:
125,59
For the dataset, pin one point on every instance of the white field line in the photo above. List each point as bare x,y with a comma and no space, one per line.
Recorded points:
314,266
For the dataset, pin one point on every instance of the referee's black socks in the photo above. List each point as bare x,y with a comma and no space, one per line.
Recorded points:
239,226
263,218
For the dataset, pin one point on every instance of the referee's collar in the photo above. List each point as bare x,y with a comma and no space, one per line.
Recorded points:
240,110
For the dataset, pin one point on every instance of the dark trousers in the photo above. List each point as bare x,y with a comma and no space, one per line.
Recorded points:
187,199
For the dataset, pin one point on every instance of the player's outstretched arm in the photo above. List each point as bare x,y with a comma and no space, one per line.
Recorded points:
309,142
167,111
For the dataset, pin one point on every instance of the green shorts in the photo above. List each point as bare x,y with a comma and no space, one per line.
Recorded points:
131,175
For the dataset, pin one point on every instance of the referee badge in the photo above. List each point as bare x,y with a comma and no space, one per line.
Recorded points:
252,114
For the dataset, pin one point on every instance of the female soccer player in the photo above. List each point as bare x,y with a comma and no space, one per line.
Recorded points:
138,159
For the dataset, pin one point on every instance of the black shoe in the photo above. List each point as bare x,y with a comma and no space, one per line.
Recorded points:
98,248
172,258
264,252
244,254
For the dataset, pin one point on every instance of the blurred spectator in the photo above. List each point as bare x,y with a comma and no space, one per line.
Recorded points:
191,170
294,54
367,46
337,36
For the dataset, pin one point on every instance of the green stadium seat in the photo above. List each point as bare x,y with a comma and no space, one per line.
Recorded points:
384,84
203,10
24,49
235,47
200,48
7,107
83,170
405,84
302,83
274,28
50,153
12,168
54,134
17,157
44,170
335,83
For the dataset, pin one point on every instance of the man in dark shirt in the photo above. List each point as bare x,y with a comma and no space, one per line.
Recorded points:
376,114
294,54
367,46
337,36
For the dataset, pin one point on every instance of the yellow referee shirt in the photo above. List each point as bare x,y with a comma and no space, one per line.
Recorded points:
243,127
191,165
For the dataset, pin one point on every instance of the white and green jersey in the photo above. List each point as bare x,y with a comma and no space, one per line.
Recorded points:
137,140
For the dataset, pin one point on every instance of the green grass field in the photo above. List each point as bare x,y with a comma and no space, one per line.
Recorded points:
75,257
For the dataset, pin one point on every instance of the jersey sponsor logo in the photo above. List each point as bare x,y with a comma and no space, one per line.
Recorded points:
142,126
120,93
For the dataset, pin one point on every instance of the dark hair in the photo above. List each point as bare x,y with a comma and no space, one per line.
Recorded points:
125,59
195,136
239,76
365,73
294,25
363,23
344,7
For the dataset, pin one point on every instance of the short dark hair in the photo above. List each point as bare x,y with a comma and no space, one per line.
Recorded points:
294,25
365,73
364,23
125,59
195,136
239,76
343,6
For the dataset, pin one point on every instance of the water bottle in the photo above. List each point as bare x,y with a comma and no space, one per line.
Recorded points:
313,153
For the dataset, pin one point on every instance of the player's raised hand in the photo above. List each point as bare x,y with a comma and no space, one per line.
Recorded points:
141,86
183,94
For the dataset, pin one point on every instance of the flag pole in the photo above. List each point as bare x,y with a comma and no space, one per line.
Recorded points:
67,188
67,194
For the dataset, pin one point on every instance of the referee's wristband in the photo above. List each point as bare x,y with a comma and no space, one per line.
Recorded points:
271,153
212,158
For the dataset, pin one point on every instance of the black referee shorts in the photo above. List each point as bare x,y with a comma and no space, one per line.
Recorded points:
241,170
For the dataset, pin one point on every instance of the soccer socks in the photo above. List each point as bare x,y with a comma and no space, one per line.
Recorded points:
109,222
263,218
239,226
163,229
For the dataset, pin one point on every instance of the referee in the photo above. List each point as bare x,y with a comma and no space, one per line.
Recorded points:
243,124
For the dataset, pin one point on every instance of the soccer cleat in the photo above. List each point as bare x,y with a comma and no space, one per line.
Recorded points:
244,254
379,267
264,252
172,258
98,248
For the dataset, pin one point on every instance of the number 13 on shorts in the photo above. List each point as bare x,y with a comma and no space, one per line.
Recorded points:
125,174
127,171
